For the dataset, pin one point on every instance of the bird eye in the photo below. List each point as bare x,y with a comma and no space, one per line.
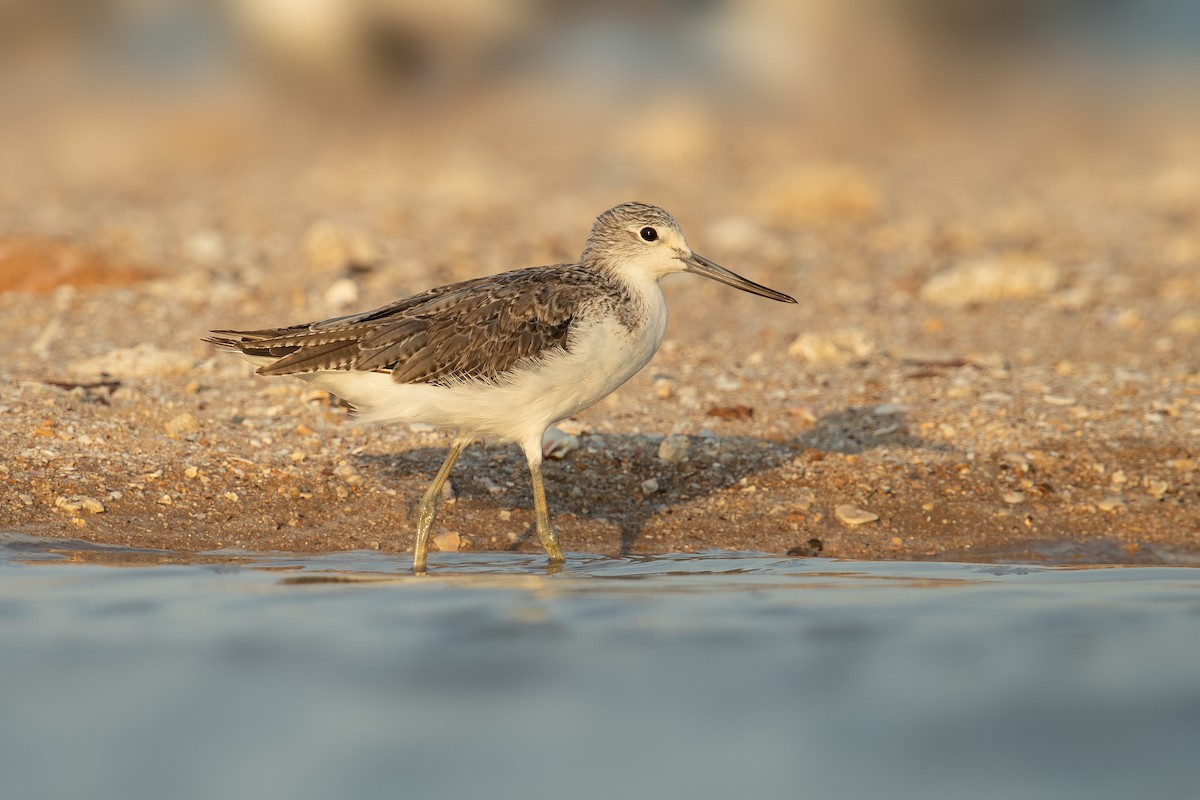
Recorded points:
649,234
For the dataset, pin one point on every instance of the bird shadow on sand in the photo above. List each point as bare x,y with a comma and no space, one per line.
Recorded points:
606,478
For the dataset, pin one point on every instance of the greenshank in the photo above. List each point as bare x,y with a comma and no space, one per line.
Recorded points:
502,357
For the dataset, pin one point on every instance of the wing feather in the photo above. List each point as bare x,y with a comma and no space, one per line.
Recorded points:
313,358
474,330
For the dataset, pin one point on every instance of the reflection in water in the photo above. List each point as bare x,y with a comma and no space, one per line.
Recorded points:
700,675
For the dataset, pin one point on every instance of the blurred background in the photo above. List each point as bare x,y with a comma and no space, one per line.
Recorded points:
349,134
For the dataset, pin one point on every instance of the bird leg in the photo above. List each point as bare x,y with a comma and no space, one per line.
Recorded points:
427,511
544,529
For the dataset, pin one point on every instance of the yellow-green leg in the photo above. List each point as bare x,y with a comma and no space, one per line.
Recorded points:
545,530
427,511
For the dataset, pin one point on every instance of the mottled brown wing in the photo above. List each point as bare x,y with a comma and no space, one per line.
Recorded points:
478,333
474,330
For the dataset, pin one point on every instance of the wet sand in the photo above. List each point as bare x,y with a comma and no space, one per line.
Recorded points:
991,359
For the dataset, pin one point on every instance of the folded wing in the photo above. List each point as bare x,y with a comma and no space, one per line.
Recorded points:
474,330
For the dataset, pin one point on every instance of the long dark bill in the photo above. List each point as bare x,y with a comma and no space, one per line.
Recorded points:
702,266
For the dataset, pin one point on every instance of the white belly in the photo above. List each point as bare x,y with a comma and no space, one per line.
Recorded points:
602,355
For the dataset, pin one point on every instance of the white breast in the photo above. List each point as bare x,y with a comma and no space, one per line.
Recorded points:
602,354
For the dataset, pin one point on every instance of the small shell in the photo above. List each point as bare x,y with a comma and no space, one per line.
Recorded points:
556,444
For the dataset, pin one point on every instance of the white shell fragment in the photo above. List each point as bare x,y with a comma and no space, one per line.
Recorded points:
557,443
991,279
674,449
833,347
853,515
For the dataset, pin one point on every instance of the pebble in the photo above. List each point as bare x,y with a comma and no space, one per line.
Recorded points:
833,347
650,486
231,497
341,294
447,542
1017,461
449,493
991,279
184,423
1013,498
674,449
889,409
505,515
664,388
1058,400
1184,464
853,515
345,471
79,502
166,500
1113,503
1155,487
806,414
804,499
726,383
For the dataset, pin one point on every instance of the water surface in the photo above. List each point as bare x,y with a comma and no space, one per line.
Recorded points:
145,674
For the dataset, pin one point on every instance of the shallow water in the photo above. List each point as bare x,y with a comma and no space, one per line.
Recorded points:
143,674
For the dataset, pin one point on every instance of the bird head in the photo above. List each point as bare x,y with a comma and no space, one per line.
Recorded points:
638,241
